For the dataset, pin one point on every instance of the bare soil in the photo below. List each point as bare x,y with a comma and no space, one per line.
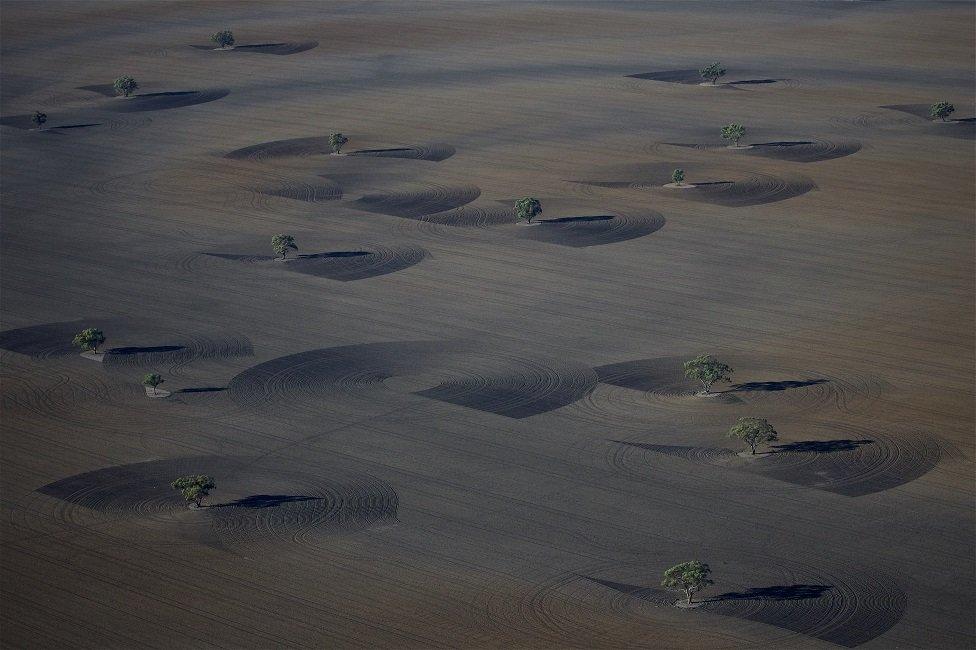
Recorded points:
435,428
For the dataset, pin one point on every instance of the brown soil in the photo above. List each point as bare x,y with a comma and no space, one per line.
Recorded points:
435,428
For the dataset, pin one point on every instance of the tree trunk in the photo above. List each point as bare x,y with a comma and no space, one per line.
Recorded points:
690,594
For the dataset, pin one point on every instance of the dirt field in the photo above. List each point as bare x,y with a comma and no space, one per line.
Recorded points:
434,427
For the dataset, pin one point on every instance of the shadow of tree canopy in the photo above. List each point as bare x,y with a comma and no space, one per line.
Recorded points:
777,592
144,350
772,386
822,446
265,501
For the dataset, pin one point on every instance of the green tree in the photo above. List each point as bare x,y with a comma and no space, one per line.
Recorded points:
336,140
282,243
194,488
753,431
38,119
678,176
688,577
527,208
223,38
733,132
708,370
712,72
125,86
942,110
152,380
89,339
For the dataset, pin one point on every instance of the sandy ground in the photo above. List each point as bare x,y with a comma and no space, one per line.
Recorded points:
435,428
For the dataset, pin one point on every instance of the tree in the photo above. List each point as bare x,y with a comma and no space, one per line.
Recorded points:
708,370
942,110
527,208
753,431
223,38
194,488
688,577
152,380
712,72
336,140
733,132
678,176
125,86
89,339
38,119
282,243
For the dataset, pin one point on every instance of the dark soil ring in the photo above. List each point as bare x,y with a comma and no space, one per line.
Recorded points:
280,49
249,504
164,101
594,230
419,203
435,152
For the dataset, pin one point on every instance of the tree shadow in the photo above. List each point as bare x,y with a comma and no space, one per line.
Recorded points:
751,82
822,446
140,350
265,501
773,386
202,389
171,93
777,592
577,219
319,256
784,143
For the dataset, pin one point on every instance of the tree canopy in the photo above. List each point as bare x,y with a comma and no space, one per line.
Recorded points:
712,72
753,431
707,370
125,86
89,339
336,140
194,489
678,176
152,380
733,132
38,119
527,208
942,110
282,244
689,577
223,38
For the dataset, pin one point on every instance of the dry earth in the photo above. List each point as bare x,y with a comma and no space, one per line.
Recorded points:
437,428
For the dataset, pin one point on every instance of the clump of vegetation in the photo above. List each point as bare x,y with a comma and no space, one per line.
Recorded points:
689,577
942,110
733,133
89,339
125,86
678,176
152,380
527,208
336,140
707,370
223,38
753,431
282,244
38,119
712,72
194,489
